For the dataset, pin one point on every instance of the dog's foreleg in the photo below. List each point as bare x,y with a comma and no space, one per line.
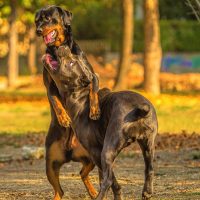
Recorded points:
62,116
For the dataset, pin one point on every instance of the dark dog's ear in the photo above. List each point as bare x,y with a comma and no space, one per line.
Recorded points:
37,15
65,15
67,18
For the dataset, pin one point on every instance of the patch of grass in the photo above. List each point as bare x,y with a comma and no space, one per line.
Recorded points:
23,117
175,113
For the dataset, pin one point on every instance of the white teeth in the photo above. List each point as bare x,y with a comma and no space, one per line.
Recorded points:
52,33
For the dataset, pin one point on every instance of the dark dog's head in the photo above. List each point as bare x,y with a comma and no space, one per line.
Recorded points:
53,24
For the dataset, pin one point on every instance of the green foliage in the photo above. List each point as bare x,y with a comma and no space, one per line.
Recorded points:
94,19
175,9
176,36
181,36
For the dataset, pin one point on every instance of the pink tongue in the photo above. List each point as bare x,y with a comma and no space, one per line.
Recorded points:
47,38
51,62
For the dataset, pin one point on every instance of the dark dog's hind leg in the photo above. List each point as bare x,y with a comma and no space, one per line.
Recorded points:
113,144
116,188
147,147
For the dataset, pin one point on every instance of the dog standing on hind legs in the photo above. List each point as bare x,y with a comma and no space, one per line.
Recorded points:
126,117
53,24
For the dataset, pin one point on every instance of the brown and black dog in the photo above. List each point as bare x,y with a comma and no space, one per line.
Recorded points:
126,117
53,23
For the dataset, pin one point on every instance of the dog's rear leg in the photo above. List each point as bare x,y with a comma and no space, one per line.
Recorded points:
87,168
112,146
54,160
147,147
116,188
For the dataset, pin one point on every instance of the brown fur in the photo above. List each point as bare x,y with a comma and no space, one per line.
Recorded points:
62,116
60,33
94,103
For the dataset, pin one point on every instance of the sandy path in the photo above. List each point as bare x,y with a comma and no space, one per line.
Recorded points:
177,177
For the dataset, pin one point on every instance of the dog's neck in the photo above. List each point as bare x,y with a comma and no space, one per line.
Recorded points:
75,49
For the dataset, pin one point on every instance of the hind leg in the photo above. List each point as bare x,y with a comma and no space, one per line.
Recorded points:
54,160
116,188
113,144
86,169
147,147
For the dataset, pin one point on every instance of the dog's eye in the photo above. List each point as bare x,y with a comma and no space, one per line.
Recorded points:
71,63
48,18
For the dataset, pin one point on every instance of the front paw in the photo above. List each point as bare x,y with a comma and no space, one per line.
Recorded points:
44,59
64,120
94,112
64,51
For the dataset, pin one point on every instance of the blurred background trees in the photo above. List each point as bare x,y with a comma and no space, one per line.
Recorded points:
126,44
152,49
99,26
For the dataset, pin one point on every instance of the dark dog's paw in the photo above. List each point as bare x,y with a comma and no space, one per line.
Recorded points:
64,120
45,59
95,113
64,51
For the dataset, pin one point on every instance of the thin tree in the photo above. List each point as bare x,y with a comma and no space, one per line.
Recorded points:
126,44
152,52
13,60
195,7
32,51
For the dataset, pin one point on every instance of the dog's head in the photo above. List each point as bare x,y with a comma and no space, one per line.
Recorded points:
53,24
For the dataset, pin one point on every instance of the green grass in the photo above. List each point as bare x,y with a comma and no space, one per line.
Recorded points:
176,113
21,118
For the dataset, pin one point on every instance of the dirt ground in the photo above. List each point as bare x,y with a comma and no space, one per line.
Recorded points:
177,175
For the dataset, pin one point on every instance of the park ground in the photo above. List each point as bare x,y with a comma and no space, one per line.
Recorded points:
25,117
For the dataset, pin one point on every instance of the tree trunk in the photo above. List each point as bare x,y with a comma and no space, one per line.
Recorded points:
32,52
126,44
13,60
152,52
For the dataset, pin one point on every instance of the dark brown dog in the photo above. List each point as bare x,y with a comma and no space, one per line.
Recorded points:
126,117
53,23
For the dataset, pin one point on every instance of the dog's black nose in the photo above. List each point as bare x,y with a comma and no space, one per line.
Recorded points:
39,31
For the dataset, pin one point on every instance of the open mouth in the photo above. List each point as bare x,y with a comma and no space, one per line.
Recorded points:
53,64
50,37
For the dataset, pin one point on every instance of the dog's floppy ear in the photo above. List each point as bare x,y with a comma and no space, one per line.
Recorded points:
67,18
37,15
65,15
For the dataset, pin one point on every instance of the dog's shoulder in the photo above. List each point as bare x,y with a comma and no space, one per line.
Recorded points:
103,92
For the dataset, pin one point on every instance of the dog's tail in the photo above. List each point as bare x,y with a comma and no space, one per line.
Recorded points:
142,110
